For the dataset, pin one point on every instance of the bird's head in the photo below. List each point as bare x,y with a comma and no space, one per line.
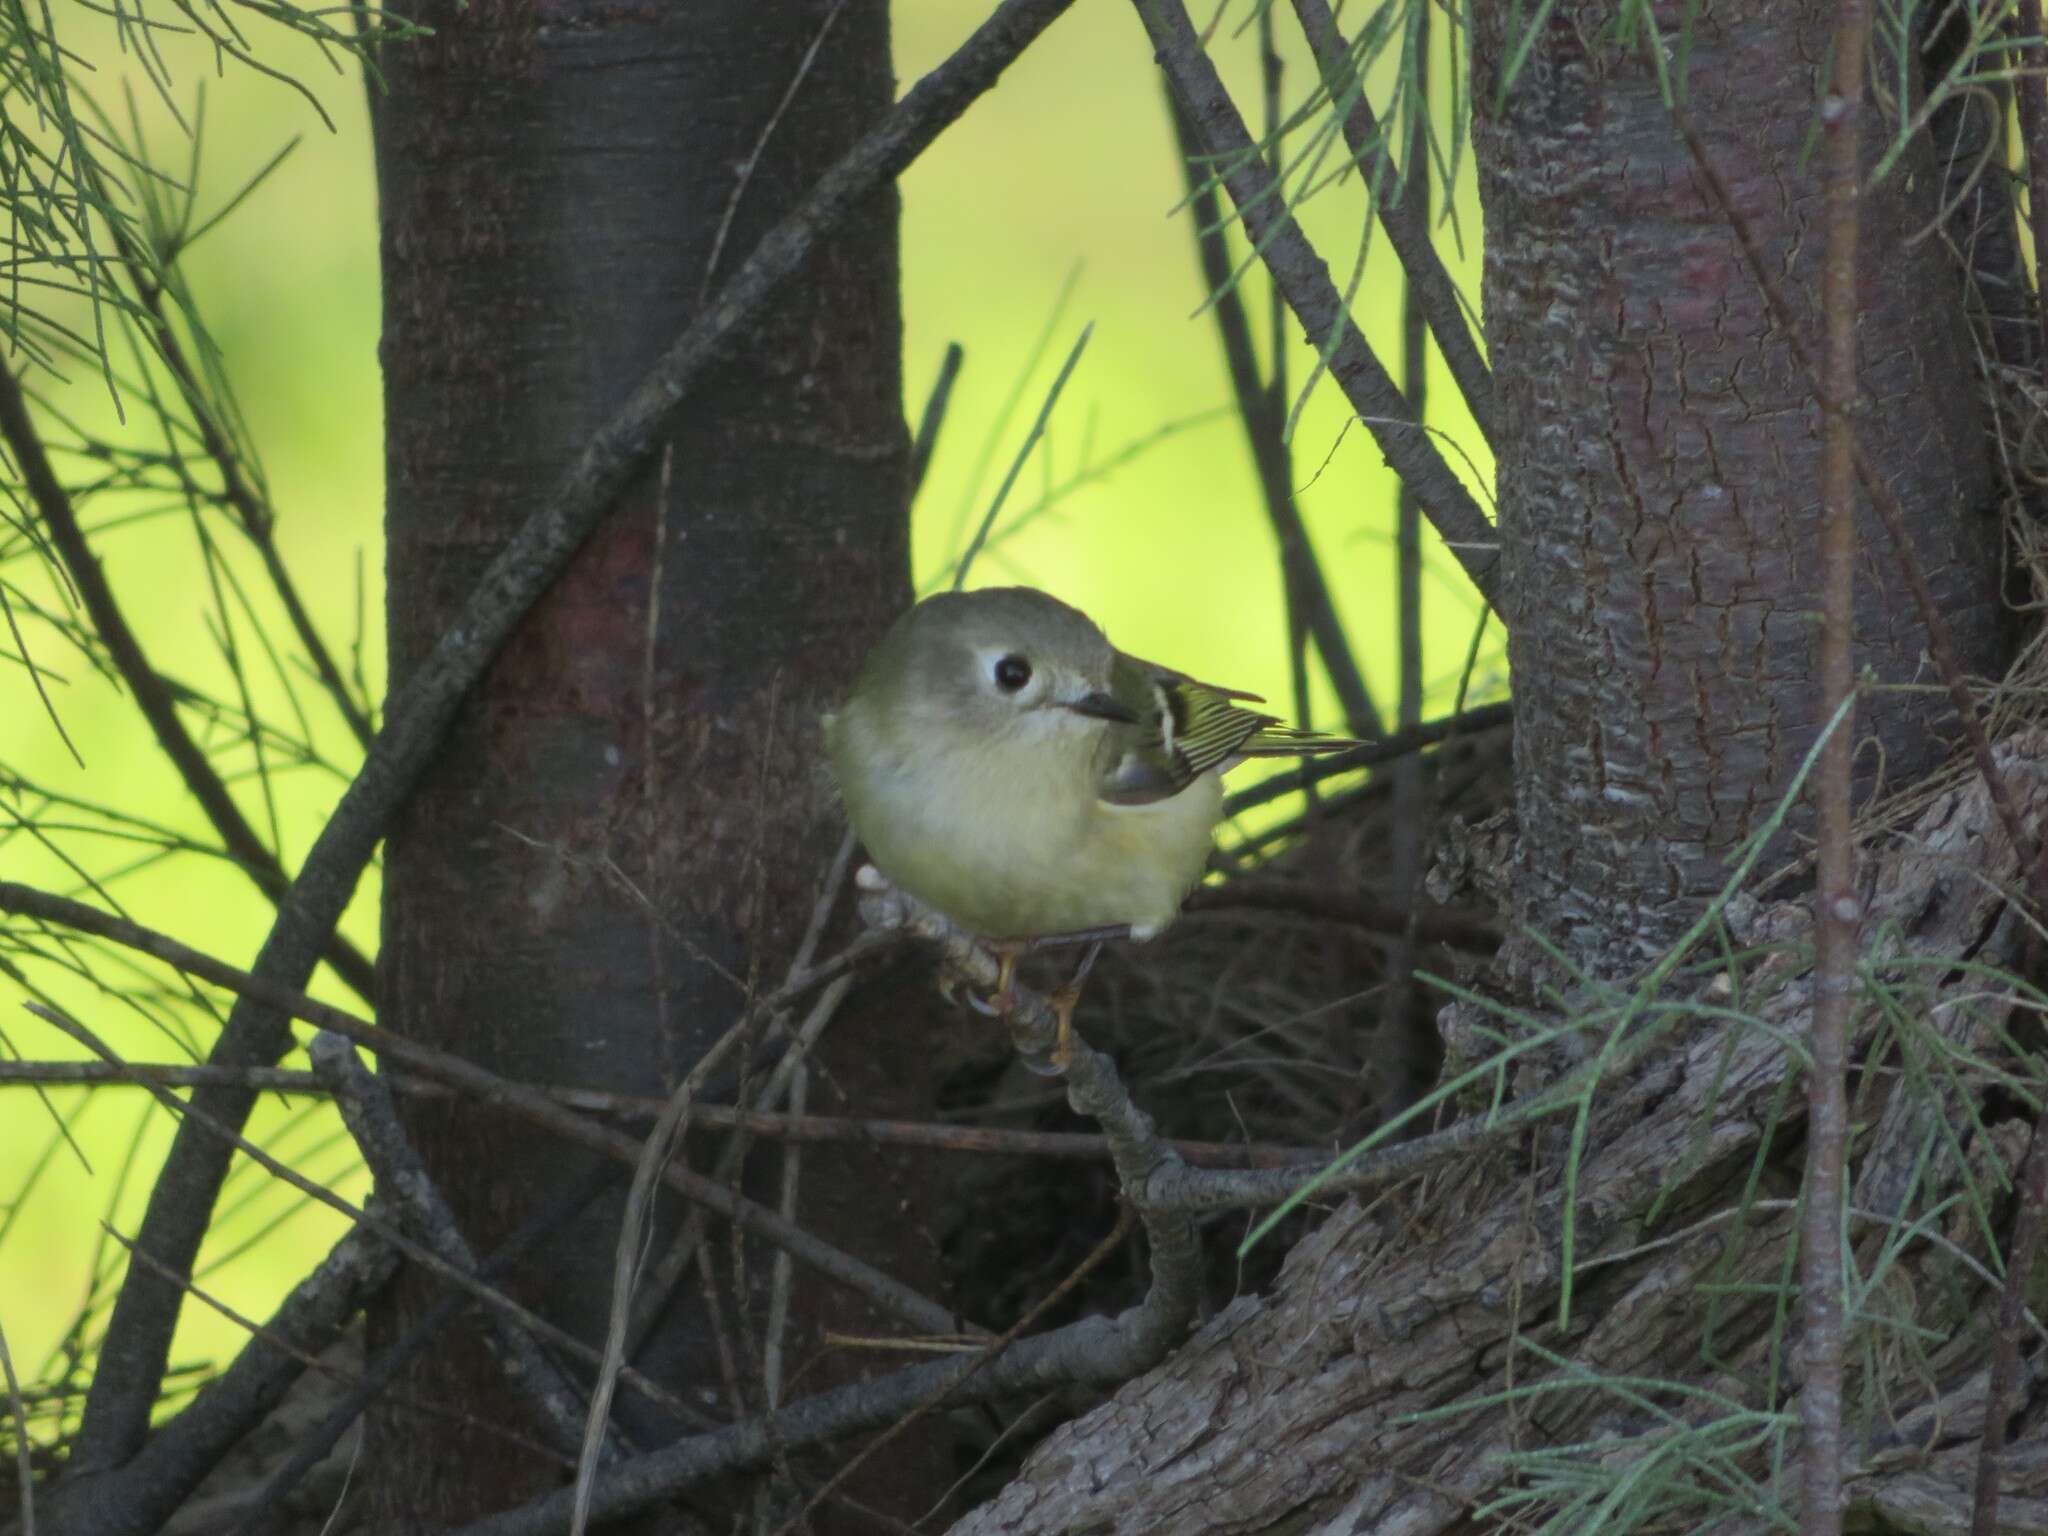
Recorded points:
996,662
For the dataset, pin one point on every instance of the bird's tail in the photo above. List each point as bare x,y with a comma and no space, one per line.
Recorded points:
1278,740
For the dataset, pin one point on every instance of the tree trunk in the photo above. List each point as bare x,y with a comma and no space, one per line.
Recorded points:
1658,480
1659,475
626,830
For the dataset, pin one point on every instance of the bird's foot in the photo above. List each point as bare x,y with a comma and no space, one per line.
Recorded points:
1004,998
999,1003
1064,999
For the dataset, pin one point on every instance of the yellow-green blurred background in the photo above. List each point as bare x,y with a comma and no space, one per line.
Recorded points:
1063,182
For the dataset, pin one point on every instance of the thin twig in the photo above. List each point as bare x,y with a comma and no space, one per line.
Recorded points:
1093,1350
152,694
1059,1293
782,1275
148,1489
823,1129
781,1287
652,1298
1305,280
137,1341
2033,859
747,167
419,1253
372,1118
1023,456
2032,1194
1390,749
1940,639
24,1466
1406,217
1838,912
1264,415
660,1146
1272,73
652,800
1399,1044
529,1103
379,1373
927,440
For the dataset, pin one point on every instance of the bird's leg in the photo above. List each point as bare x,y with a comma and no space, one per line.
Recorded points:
1002,1000
1008,952
1063,1002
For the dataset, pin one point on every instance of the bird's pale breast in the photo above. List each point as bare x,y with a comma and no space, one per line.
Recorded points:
1017,844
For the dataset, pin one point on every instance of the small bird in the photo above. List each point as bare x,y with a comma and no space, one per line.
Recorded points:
1008,766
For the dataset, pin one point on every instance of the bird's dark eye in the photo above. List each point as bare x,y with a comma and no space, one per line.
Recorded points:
1012,673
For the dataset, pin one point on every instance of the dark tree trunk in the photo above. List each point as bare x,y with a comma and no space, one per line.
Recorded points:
612,845
1659,469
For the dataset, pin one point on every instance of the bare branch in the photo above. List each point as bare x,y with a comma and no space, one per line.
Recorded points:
1305,280
153,696
1264,414
379,1373
1094,1261
1837,910
137,1498
1406,221
529,1103
1469,723
805,1128
1095,1350
372,1118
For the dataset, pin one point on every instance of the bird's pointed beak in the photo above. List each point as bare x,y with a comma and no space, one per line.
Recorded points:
1099,705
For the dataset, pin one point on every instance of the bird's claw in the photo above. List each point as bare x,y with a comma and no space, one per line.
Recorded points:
957,987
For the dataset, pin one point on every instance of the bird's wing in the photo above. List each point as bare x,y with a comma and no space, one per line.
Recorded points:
1184,729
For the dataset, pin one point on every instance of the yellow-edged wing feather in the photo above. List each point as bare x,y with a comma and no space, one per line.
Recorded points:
1184,729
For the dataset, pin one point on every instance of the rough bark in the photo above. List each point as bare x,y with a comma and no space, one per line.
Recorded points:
1658,460
612,845
1287,1414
